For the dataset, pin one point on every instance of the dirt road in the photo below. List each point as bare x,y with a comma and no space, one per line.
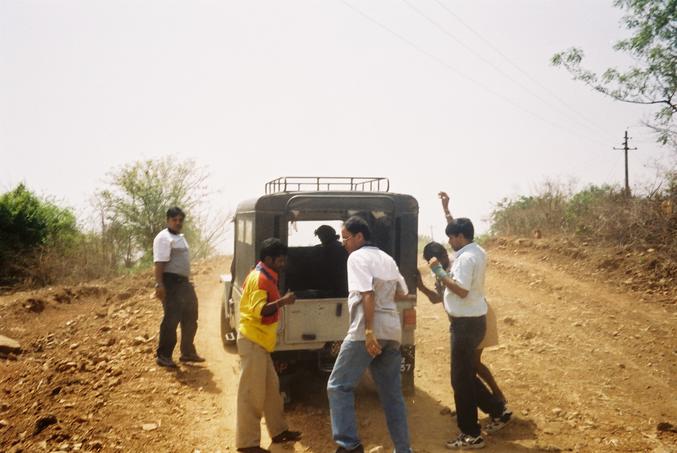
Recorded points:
584,367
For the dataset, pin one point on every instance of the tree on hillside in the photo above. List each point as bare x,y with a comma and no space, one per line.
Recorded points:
28,225
133,207
653,80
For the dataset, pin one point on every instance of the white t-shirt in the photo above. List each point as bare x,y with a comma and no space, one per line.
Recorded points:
172,249
371,269
468,271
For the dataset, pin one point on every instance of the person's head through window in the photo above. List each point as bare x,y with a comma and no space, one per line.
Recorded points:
326,234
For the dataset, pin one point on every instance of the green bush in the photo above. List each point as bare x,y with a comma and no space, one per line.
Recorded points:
601,213
28,225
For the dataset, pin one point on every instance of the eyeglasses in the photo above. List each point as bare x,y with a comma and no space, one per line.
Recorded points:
345,239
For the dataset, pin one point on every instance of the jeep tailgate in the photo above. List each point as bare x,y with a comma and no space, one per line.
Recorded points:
316,320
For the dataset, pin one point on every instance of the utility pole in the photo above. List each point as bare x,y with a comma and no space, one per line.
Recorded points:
626,149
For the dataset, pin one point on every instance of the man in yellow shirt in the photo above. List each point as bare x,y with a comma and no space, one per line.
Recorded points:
258,393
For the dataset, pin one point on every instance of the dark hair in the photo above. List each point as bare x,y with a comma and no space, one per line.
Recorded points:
356,225
326,234
461,226
272,247
175,211
434,249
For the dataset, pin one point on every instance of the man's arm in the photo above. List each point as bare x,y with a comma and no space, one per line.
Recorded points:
446,280
271,307
445,206
369,307
432,295
454,287
159,284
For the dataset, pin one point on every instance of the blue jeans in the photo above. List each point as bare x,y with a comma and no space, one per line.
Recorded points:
352,361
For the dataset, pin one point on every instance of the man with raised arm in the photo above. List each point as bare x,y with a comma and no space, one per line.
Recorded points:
466,306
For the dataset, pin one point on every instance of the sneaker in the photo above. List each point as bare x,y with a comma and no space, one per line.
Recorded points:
286,436
166,362
466,442
191,358
497,423
358,449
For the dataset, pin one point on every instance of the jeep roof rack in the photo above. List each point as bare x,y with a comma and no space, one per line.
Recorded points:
327,183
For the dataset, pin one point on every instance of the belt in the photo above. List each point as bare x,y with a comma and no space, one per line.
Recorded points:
175,277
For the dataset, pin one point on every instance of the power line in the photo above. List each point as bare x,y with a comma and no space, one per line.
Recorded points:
465,76
518,68
493,65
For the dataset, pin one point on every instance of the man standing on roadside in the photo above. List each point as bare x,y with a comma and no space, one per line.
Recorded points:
373,341
466,306
174,289
258,392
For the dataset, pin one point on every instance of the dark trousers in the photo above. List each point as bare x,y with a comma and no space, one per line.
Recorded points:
469,391
180,307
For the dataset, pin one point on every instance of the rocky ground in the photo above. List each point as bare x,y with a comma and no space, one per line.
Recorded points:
587,361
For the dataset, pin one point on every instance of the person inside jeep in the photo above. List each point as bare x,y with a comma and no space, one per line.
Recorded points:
334,261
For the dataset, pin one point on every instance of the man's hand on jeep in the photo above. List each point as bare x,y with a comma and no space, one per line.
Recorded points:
288,299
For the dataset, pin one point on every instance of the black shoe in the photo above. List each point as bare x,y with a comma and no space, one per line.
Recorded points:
497,423
253,450
466,442
191,358
166,362
358,449
287,436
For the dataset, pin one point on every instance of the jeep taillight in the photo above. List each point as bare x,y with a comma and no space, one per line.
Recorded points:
409,318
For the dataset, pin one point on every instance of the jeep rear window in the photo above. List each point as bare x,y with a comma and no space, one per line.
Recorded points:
317,271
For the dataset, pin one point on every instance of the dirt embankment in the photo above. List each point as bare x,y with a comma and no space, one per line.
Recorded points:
587,364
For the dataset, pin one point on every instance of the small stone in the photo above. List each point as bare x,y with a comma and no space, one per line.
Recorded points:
44,422
110,341
34,305
9,345
3,423
378,449
666,427
149,426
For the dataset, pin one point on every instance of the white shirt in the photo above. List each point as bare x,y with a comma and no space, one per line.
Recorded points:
371,269
468,271
172,249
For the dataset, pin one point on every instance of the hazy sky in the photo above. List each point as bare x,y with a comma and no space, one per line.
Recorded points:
417,90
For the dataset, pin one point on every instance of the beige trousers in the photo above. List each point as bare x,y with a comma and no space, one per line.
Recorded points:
258,394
